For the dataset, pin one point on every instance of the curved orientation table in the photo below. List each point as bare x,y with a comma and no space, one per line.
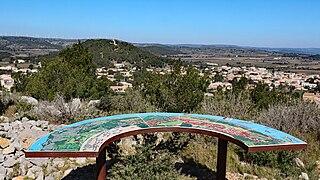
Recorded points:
89,138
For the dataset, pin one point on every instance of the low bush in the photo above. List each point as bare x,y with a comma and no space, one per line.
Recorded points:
149,162
228,105
282,160
60,111
131,101
302,117
6,101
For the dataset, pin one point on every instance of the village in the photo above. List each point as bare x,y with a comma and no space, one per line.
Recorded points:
121,76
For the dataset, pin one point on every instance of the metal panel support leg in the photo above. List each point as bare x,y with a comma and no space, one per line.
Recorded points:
222,159
101,165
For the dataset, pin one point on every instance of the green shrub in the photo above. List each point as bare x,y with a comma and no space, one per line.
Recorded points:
178,91
150,161
282,160
23,107
5,101
130,102
105,103
228,105
71,74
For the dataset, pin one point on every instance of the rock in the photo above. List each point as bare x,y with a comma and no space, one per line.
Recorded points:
249,176
18,154
127,146
35,128
304,176
3,134
9,162
318,166
59,163
93,103
31,174
17,125
17,146
9,150
1,157
29,100
6,127
40,175
9,171
3,171
4,142
231,175
91,160
81,160
4,119
140,139
34,170
42,124
22,171
32,122
50,169
49,177
19,178
51,127
24,162
299,162
24,165
68,171
56,175
159,138
38,161
24,120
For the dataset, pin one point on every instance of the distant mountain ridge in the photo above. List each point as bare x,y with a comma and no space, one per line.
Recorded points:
11,45
20,42
307,51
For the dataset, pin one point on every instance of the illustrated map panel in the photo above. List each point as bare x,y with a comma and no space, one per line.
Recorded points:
89,135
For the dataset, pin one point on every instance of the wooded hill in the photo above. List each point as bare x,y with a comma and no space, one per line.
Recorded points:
105,51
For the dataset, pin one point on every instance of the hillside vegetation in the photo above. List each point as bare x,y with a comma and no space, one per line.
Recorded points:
104,51
161,50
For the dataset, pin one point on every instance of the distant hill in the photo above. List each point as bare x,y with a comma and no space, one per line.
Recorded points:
104,51
160,50
4,55
17,43
308,51
176,49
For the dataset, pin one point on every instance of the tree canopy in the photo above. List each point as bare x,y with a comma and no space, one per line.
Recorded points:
173,92
71,74
105,51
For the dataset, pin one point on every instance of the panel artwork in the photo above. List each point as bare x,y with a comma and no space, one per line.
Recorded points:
89,135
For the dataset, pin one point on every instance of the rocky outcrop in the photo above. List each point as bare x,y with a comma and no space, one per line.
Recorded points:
29,100
18,136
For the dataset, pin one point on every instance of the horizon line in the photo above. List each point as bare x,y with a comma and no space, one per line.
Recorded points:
197,44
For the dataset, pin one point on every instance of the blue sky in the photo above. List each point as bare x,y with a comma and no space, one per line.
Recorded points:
272,23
